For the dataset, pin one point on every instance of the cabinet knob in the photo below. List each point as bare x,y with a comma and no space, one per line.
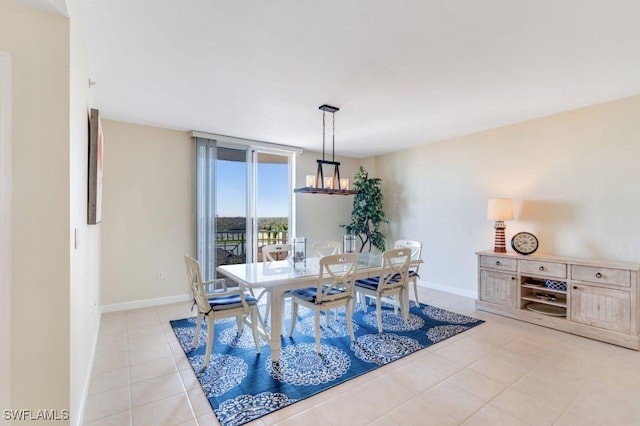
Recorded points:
498,262
541,268
513,278
598,275
575,287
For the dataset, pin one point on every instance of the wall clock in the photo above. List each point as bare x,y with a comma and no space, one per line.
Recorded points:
524,243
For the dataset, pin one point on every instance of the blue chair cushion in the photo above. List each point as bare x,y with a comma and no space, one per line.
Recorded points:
395,278
230,302
370,283
309,294
413,274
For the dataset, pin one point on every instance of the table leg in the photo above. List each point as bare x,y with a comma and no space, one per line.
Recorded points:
276,324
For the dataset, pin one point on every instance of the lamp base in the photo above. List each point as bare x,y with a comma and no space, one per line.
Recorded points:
499,242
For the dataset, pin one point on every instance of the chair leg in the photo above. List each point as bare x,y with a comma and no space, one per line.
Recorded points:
254,326
207,354
317,318
196,336
294,316
415,290
327,316
404,303
239,324
379,312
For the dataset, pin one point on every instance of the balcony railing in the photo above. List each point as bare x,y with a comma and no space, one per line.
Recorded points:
231,246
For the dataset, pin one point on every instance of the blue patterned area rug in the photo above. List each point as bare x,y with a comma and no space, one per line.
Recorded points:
242,386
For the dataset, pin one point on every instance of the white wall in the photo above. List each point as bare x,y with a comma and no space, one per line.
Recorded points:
40,302
85,259
573,178
147,218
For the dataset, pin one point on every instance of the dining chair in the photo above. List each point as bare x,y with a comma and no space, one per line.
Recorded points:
223,303
333,290
416,254
326,248
272,253
390,281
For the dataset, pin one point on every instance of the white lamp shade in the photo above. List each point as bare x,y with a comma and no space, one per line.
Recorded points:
500,209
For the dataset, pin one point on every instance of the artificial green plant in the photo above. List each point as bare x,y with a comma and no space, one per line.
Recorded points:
367,215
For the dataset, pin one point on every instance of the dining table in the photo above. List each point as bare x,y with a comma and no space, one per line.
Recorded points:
279,277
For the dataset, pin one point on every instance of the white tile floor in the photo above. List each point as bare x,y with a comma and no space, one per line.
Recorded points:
504,372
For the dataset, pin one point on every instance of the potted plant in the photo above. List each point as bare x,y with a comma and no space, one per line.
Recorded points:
367,215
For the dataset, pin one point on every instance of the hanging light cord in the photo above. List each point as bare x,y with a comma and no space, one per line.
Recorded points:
323,112
333,148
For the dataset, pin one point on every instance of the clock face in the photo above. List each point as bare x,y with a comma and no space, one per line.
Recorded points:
524,243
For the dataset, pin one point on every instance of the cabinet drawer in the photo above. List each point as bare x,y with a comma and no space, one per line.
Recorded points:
548,269
500,263
594,274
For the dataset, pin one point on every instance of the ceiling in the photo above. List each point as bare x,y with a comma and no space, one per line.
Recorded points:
403,73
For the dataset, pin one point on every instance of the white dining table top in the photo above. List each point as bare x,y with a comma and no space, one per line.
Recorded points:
266,274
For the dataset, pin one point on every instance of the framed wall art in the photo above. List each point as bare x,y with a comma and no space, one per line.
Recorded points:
96,150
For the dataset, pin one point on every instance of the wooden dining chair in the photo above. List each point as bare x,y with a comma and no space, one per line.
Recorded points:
223,303
416,254
326,248
333,290
390,281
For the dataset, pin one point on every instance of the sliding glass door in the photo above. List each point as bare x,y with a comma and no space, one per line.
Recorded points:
272,200
243,202
231,191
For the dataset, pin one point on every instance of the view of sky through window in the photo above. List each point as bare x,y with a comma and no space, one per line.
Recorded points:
273,189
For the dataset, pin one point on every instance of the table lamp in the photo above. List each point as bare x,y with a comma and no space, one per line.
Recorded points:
500,209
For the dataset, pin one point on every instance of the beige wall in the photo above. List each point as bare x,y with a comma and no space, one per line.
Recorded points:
573,178
147,219
39,44
148,212
6,108
319,216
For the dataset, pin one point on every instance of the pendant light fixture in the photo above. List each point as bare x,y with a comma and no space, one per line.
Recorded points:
319,184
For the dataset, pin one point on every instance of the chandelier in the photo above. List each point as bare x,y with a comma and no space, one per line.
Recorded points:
319,184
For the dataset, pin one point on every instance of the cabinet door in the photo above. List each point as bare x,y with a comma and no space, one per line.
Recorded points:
498,288
601,307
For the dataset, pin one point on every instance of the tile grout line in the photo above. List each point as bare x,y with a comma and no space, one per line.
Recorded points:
184,388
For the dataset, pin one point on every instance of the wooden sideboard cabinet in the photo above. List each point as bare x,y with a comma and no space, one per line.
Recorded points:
593,298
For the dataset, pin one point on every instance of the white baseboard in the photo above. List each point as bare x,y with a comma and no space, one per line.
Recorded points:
145,303
453,290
